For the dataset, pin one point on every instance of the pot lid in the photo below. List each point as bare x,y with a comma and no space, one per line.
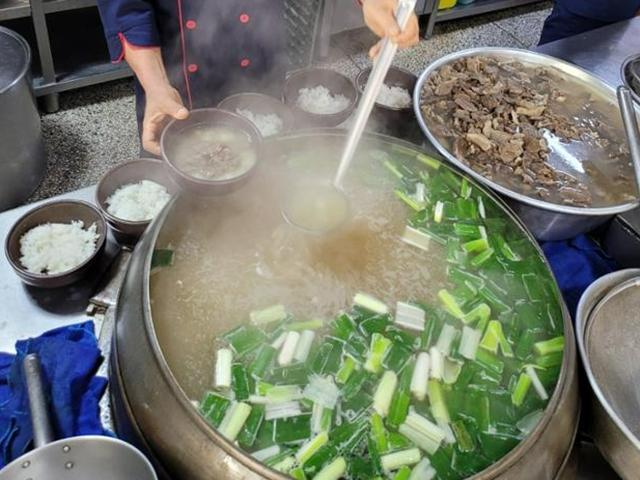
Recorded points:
611,345
14,58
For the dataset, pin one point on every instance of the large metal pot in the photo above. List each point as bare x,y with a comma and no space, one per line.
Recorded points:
547,221
22,160
609,422
152,410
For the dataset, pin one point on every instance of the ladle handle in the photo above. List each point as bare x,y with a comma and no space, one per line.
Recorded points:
630,122
42,432
372,89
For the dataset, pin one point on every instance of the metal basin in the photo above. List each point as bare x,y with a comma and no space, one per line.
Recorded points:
607,332
155,413
547,221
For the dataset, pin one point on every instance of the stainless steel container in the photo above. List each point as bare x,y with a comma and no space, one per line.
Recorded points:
152,411
22,158
607,327
547,221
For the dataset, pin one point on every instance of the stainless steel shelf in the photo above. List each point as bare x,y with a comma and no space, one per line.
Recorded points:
13,9
82,76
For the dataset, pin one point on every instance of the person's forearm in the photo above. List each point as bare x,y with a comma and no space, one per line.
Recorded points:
148,67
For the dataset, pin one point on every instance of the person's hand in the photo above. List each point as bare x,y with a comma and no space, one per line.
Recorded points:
379,15
162,104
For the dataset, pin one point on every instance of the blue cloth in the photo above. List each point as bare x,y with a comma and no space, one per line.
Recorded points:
70,357
573,17
576,263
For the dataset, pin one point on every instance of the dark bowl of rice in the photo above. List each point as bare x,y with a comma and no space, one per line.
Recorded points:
270,115
320,97
22,251
392,113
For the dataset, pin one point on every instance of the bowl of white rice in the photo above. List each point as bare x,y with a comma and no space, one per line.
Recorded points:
393,111
57,243
320,97
132,194
269,115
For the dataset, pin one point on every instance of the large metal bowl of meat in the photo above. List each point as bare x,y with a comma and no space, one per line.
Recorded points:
542,132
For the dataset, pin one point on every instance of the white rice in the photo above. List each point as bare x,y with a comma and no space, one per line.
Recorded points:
321,101
394,97
57,247
137,202
268,124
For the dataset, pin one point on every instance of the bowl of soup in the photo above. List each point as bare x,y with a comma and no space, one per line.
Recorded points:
211,152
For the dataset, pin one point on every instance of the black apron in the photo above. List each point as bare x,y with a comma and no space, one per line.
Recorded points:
214,48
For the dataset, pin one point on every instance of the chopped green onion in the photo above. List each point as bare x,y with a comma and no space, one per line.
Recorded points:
403,473
438,211
463,437
422,432
423,471
307,325
377,351
288,348
262,361
298,473
265,453
481,258
379,433
410,201
370,303
420,377
249,433
437,363
547,347
244,339
311,447
436,399
537,384
481,210
234,420
450,304
292,429
384,393
161,257
333,471
479,245
268,315
490,339
303,346
451,371
416,238
527,423
445,340
347,368
551,360
481,312
242,383
224,357
409,316
428,161
320,418
392,168
214,407
520,390
469,343
283,393
420,193
393,461
274,411
343,327
279,341
285,465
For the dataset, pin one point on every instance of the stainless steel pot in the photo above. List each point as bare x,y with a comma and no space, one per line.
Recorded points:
610,422
151,407
547,221
22,160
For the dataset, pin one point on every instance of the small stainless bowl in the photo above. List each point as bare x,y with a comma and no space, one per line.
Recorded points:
398,122
313,77
59,211
260,104
208,116
126,173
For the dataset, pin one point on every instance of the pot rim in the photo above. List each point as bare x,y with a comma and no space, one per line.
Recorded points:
501,466
604,288
27,64
533,202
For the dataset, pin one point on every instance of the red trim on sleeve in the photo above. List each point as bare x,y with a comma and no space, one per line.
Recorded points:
184,54
125,42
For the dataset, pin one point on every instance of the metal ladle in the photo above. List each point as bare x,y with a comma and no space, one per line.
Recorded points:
77,458
326,193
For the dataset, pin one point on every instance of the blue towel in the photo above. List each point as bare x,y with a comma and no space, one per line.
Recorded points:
70,357
576,263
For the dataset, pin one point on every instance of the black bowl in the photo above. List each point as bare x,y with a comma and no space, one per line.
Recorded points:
314,77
